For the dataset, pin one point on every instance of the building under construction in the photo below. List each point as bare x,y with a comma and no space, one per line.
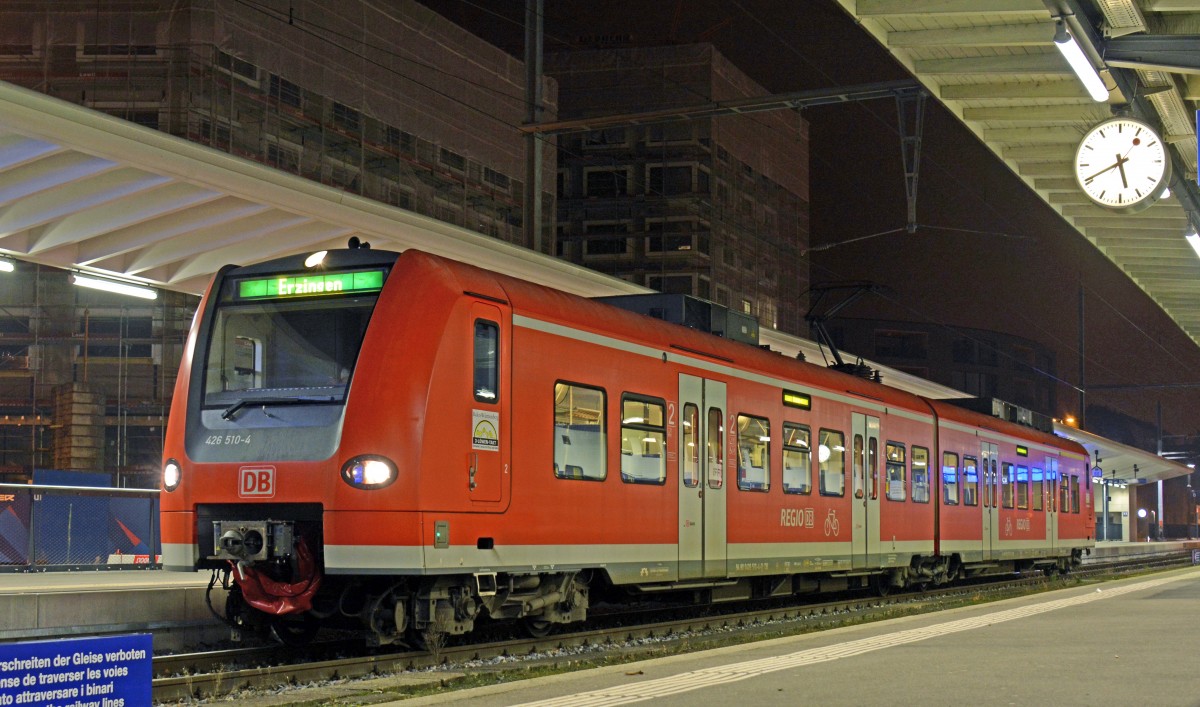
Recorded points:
388,100
715,207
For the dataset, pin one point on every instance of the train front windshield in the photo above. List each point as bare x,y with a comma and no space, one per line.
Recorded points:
275,341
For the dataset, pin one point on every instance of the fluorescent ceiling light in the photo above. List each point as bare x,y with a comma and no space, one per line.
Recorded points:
6,265
1080,64
122,288
1194,241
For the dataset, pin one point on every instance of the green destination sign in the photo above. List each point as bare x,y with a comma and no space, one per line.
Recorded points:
283,286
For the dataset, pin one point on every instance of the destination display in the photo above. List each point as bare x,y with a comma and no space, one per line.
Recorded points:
307,285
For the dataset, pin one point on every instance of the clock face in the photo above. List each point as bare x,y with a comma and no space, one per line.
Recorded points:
1122,164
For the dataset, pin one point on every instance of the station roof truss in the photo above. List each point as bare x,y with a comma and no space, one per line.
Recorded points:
994,65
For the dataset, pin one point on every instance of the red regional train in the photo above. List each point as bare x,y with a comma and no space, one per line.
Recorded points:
402,442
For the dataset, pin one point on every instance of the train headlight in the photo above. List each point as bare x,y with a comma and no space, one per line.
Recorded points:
369,471
171,475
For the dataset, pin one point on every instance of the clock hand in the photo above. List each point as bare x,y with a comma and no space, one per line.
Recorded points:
1121,166
1114,165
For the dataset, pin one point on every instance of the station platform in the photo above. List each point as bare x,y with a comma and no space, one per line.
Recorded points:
170,605
1115,550
1125,642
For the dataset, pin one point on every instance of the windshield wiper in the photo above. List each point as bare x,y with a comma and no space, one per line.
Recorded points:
248,402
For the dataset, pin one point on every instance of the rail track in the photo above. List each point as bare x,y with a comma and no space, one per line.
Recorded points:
632,634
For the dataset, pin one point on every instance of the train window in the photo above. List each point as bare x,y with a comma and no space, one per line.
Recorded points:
1074,494
1064,494
920,475
897,470
831,462
1037,488
970,482
950,478
643,440
856,463
1023,488
873,465
579,439
797,459
689,456
487,361
715,443
754,453
1051,482
1006,485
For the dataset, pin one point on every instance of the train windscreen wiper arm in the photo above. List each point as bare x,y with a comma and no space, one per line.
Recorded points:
302,400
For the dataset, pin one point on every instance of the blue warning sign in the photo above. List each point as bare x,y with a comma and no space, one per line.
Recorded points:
109,671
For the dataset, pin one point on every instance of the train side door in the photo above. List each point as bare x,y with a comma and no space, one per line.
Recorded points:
864,464
701,435
487,460
1050,492
990,454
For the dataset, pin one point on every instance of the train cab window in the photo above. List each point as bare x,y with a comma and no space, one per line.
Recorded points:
715,444
487,361
797,459
1037,488
643,440
831,462
897,470
950,478
920,475
1006,485
689,455
970,485
1074,494
1023,488
579,436
754,453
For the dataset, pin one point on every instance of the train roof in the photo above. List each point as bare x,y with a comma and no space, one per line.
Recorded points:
948,411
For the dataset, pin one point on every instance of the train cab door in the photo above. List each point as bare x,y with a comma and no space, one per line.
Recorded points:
864,464
700,417
487,465
990,455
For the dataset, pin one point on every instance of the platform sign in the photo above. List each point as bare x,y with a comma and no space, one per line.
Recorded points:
109,671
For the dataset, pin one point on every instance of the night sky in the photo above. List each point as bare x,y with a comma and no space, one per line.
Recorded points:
988,253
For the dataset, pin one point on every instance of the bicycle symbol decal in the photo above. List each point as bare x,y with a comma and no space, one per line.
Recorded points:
832,526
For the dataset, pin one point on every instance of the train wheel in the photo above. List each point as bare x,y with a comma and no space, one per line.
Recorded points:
297,631
536,627
883,584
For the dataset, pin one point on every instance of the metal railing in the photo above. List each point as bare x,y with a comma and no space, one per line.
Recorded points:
56,528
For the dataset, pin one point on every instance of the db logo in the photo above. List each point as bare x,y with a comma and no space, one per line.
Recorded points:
257,482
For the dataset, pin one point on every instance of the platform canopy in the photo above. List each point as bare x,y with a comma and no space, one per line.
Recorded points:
1120,462
85,191
995,66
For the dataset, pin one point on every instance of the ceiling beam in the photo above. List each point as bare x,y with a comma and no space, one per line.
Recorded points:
1020,35
1049,62
1174,226
1067,113
1179,53
908,8
1034,89
1039,153
1033,135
